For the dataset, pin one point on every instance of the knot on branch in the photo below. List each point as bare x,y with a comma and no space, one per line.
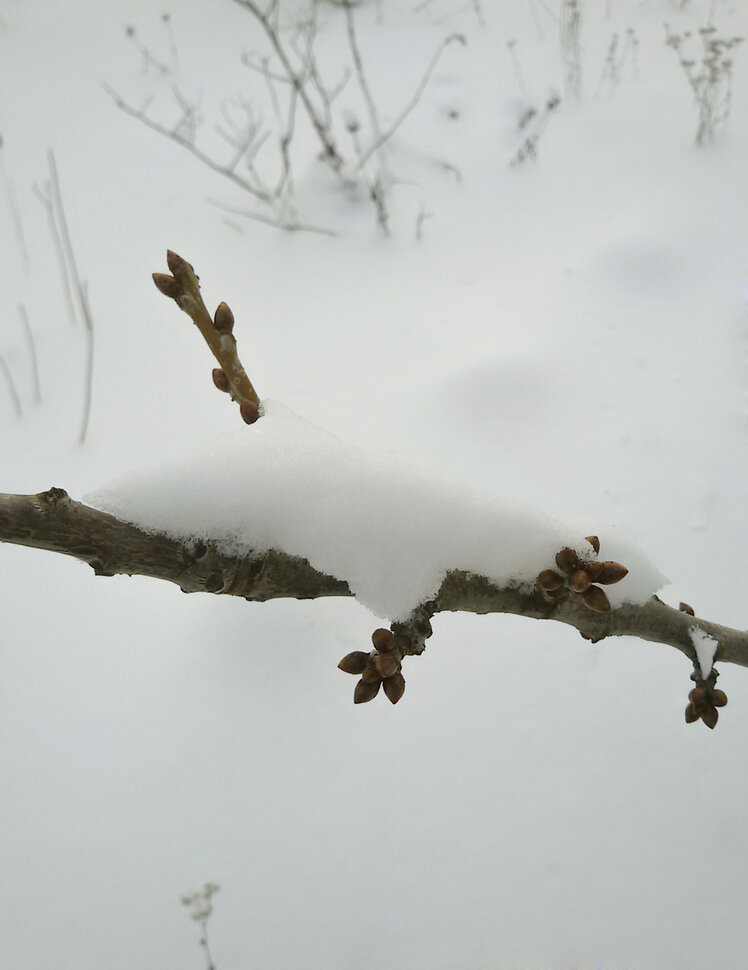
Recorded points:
582,576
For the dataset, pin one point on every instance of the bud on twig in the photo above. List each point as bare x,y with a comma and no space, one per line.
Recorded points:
611,572
566,560
550,580
370,674
167,285
685,608
394,687
174,262
354,663
223,319
387,664
221,380
579,580
365,692
383,640
595,599
249,411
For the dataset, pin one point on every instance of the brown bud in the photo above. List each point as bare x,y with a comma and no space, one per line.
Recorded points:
595,569
174,262
596,600
719,697
383,640
167,285
594,542
579,580
387,664
365,692
710,717
223,319
550,580
567,560
685,608
612,572
370,675
394,687
698,696
220,379
249,411
691,714
354,663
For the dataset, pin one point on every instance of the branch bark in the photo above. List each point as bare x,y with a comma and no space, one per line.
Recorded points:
53,521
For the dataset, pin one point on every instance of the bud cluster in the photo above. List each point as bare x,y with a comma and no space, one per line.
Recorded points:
704,699
581,576
382,667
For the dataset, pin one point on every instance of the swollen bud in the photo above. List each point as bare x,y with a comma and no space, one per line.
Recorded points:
595,599
612,572
221,380
370,675
167,285
354,663
383,640
394,688
387,664
579,580
249,411
174,262
685,608
594,542
550,580
710,717
691,714
223,319
365,692
566,560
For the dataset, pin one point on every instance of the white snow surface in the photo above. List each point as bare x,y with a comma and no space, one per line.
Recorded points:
705,646
390,530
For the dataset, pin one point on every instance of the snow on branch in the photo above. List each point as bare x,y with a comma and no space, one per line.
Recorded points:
285,509
53,521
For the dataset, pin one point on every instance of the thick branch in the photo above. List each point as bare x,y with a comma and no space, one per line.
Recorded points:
53,521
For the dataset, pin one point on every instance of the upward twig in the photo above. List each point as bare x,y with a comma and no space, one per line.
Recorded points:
184,288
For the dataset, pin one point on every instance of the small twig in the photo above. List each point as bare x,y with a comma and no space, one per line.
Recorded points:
78,286
184,288
12,390
88,383
286,226
385,136
54,232
358,64
422,216
31,345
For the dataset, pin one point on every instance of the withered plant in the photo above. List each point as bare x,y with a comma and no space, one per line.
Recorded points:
291,79
709,75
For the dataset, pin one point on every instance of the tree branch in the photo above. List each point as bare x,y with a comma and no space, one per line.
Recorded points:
53,521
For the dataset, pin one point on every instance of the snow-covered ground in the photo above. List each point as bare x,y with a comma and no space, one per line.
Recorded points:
568,334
